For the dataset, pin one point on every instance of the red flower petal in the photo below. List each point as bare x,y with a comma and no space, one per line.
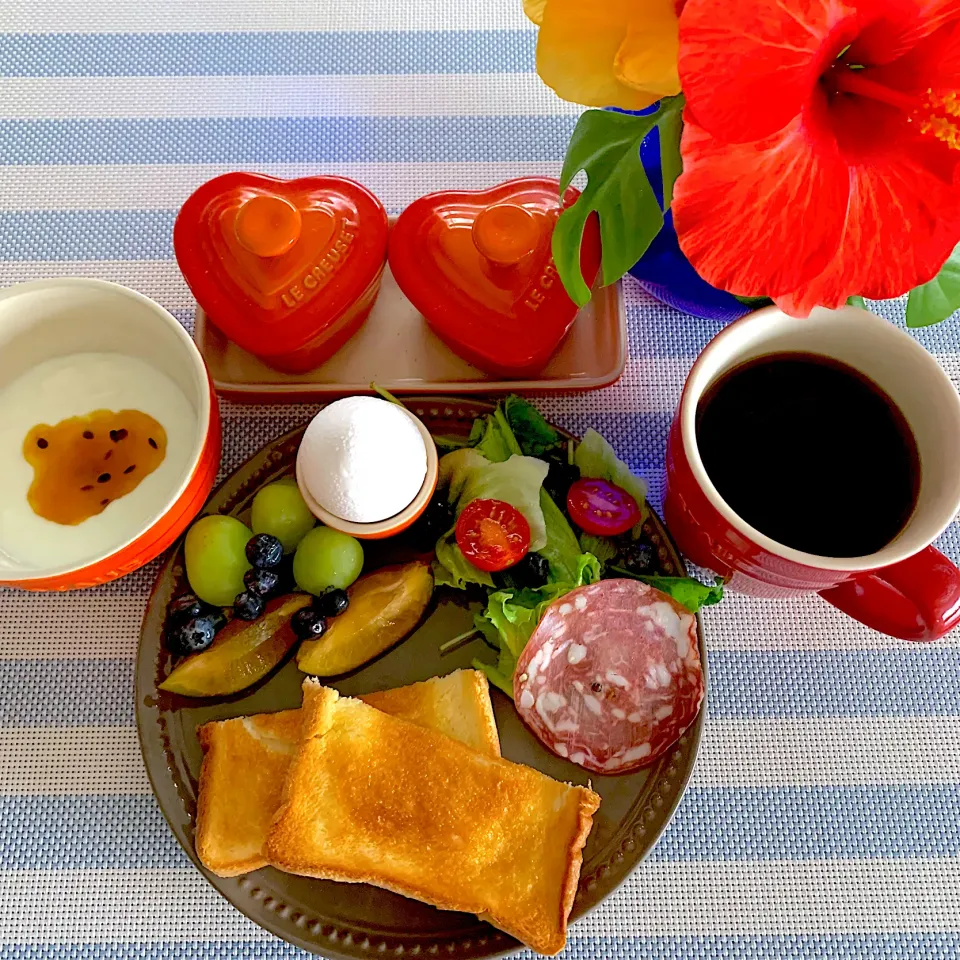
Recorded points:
902,223
932,64
747,67
890,28
764,218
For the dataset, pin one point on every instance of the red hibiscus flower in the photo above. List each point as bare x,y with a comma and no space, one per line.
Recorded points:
821,146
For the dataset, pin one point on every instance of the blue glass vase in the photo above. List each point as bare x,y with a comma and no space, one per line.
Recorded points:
664,272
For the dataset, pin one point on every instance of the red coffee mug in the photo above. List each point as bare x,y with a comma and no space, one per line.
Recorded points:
908,589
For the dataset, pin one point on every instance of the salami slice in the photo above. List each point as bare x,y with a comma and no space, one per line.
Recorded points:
611,677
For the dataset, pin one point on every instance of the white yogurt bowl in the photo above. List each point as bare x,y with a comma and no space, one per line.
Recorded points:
70,346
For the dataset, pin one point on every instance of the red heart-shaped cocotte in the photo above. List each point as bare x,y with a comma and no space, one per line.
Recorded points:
478,265
287,269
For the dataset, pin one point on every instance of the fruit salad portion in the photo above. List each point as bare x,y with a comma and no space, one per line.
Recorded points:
258,591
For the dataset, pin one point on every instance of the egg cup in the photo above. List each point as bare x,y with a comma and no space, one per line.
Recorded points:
399,521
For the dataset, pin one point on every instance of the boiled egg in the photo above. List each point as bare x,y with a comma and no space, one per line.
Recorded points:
362,459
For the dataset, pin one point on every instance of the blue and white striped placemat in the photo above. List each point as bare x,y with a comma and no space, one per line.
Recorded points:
822,820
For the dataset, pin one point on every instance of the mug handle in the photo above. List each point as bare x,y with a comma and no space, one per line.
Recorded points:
916,599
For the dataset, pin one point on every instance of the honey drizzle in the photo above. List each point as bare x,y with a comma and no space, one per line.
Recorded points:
82,464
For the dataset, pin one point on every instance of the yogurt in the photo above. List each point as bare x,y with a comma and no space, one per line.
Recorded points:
73,386
362,459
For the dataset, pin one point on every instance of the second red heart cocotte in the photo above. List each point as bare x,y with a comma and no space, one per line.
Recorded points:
478,265
287,269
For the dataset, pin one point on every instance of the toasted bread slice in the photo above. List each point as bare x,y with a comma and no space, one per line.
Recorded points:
371,798
246,760
457,705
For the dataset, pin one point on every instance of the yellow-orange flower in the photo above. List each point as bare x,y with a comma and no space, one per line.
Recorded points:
607,53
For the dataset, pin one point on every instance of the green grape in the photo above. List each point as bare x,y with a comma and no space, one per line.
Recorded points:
216,558
278,509
327,558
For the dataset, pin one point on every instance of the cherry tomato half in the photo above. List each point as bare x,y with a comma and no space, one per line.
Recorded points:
601,507
493,535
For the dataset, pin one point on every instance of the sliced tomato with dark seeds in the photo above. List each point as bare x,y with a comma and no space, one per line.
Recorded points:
493,535
601,508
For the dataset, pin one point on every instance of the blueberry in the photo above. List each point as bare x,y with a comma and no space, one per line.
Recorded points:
248,605
532,571
261,582
185,608
332,603
637,557
560,477
308,624
434,522
264,551
216,616
193,636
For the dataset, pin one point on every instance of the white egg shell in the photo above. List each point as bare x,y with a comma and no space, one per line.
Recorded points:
363,459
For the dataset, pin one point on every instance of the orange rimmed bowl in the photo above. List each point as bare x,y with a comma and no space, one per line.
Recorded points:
66,316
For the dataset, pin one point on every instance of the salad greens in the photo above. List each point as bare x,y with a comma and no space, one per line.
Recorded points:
508,456
562,549
507,624
453,569
596,458
535,436
603,548
685,590
517,481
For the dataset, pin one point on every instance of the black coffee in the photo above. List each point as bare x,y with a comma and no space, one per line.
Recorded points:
810,452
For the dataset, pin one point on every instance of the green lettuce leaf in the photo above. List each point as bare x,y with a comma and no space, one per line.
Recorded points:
561,549
535,436
453,569
603,548
513,615
517,481
493,443
445,444
688,592
500,675
596,458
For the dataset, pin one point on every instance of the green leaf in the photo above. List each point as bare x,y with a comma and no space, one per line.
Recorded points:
753,301
562,551
596,458
511,616
688,592
606,145
453,569
857,302
603,548
532,431
499,679
671,163
939,298
492,443
447,443
468,476
509,439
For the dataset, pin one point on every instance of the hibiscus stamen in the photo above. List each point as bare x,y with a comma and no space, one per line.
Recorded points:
937,118
846,80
